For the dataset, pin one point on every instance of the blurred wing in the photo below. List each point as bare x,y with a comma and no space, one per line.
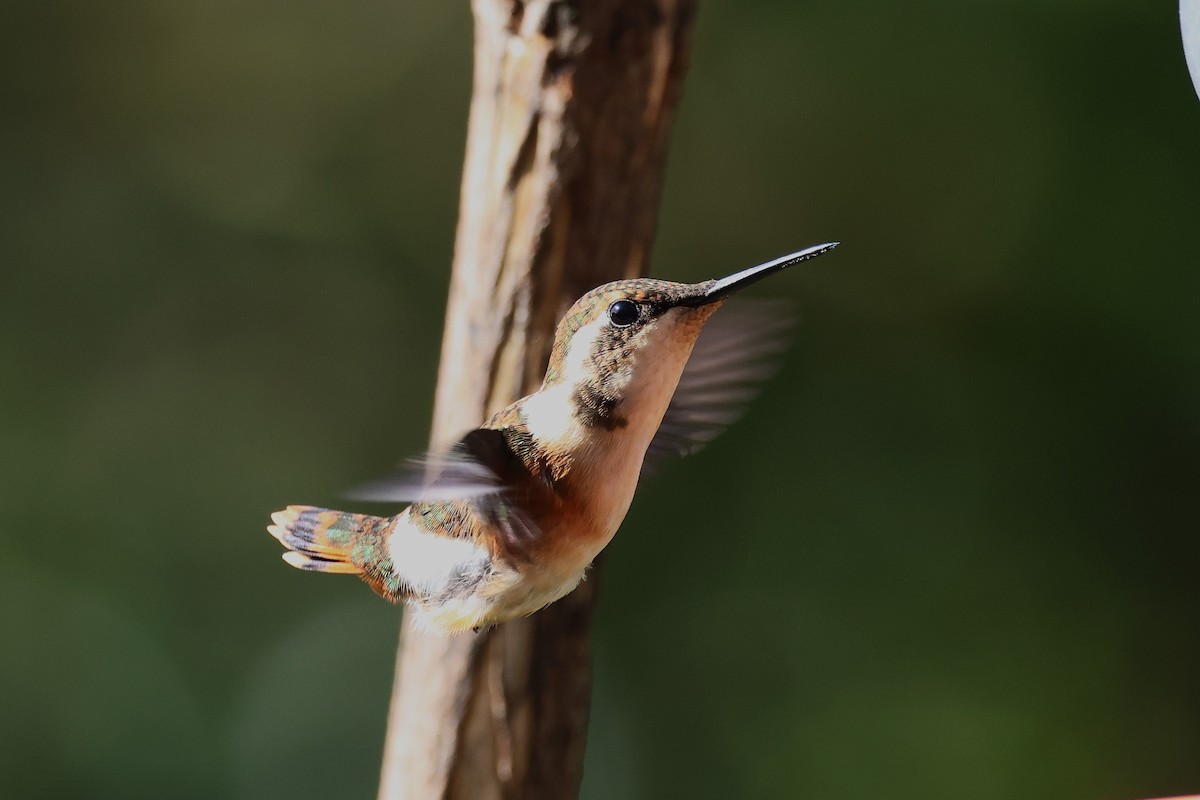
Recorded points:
454,474
480,468
738,349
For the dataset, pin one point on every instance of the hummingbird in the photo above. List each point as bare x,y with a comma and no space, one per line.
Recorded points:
509,518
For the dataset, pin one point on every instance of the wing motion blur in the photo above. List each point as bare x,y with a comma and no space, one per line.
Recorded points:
736,352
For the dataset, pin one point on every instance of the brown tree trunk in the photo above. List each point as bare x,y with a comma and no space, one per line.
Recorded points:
572,105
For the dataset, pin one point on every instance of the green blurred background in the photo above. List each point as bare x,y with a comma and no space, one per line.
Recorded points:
952,552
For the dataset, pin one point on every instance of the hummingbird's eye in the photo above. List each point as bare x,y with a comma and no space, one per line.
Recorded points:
623,313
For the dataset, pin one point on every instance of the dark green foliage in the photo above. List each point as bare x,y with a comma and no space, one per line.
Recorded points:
951,552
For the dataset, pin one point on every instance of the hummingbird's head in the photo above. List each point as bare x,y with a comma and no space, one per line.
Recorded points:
621,348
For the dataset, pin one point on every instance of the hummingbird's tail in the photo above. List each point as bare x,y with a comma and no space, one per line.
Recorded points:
322,540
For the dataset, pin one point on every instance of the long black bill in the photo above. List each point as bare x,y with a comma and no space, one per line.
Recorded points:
726,286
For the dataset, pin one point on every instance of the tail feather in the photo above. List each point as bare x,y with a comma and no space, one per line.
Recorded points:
319,539
310,564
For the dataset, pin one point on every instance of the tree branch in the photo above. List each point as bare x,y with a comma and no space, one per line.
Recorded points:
570,114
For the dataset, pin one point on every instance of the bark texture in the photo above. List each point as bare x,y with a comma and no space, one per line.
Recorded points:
570,114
